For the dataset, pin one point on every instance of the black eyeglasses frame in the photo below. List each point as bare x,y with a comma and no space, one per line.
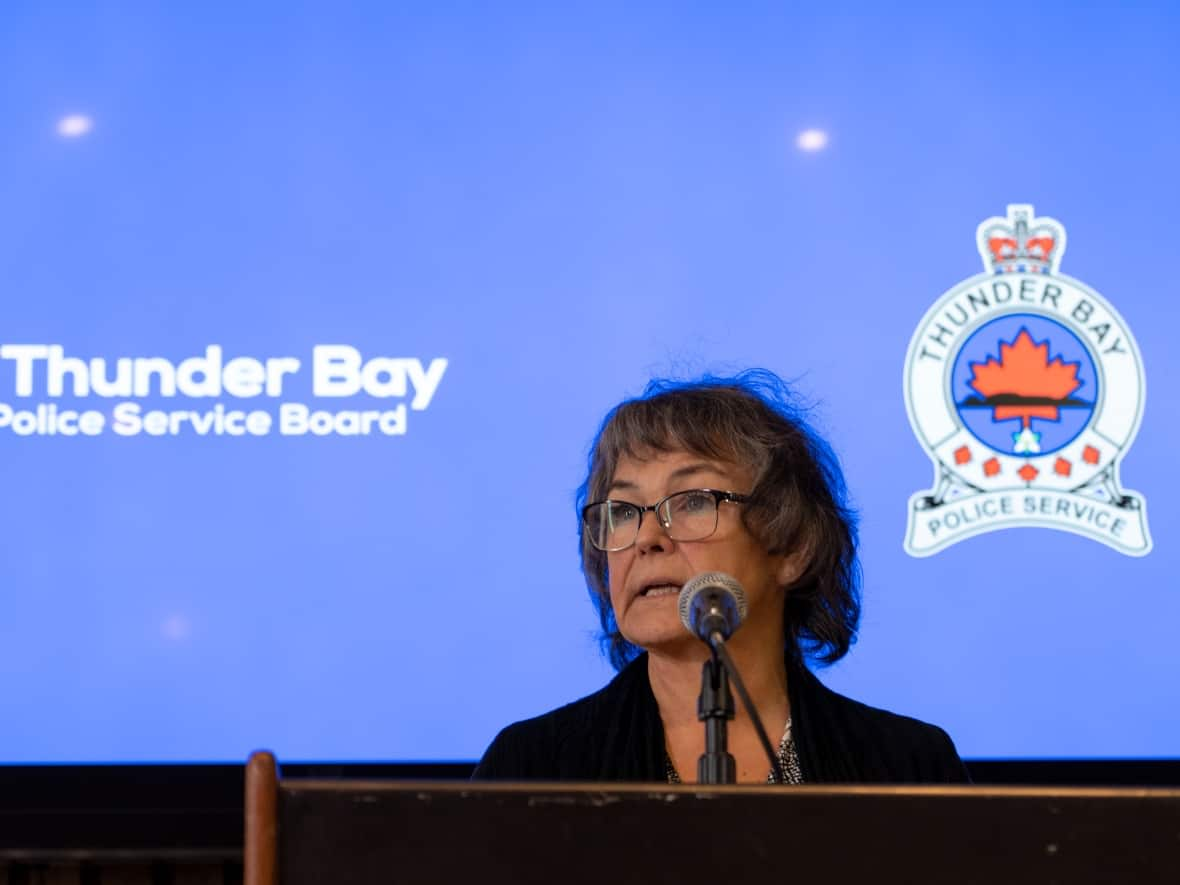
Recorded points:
718,497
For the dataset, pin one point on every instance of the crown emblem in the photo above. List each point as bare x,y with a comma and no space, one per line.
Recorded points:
1021,243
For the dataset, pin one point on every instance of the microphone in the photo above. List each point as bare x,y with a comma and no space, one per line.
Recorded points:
711,603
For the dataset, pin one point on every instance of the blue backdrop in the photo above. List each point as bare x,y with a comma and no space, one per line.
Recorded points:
559,202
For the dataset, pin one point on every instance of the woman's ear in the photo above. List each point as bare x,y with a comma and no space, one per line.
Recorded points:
792,566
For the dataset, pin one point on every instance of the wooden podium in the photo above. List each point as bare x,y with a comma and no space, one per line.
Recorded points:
354,832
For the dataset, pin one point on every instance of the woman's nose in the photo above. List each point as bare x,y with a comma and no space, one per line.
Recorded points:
651,534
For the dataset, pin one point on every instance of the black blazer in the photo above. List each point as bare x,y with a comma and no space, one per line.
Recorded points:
616,734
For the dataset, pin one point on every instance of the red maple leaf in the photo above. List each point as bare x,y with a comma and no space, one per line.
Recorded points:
1024,370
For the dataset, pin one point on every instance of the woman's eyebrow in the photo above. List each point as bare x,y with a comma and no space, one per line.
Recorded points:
677,474
696,467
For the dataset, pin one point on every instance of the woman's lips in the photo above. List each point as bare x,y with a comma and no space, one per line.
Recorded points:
656,590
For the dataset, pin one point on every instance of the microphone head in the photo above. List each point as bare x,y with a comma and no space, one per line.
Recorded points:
711,589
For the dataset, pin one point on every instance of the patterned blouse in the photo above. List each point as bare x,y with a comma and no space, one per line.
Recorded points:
788,760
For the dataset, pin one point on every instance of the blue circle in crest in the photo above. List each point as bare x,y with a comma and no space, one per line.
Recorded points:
978,415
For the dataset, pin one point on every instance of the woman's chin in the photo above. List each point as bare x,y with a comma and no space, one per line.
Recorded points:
657,637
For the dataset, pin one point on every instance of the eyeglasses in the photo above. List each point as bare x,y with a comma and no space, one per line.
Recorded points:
690,515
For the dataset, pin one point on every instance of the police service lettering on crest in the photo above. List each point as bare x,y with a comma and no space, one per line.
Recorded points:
1026,388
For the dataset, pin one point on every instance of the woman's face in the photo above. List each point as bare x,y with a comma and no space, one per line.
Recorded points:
645,578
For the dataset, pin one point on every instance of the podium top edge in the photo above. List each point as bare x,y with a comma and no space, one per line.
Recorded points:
671,791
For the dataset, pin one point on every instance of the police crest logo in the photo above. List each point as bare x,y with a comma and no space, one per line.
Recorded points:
1026,389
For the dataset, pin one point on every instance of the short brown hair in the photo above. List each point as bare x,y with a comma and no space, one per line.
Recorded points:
798,502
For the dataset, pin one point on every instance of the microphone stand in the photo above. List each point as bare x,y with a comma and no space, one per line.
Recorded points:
715,709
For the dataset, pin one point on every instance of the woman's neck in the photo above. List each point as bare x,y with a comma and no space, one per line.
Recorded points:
675,676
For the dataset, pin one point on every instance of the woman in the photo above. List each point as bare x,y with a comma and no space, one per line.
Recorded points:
719,475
